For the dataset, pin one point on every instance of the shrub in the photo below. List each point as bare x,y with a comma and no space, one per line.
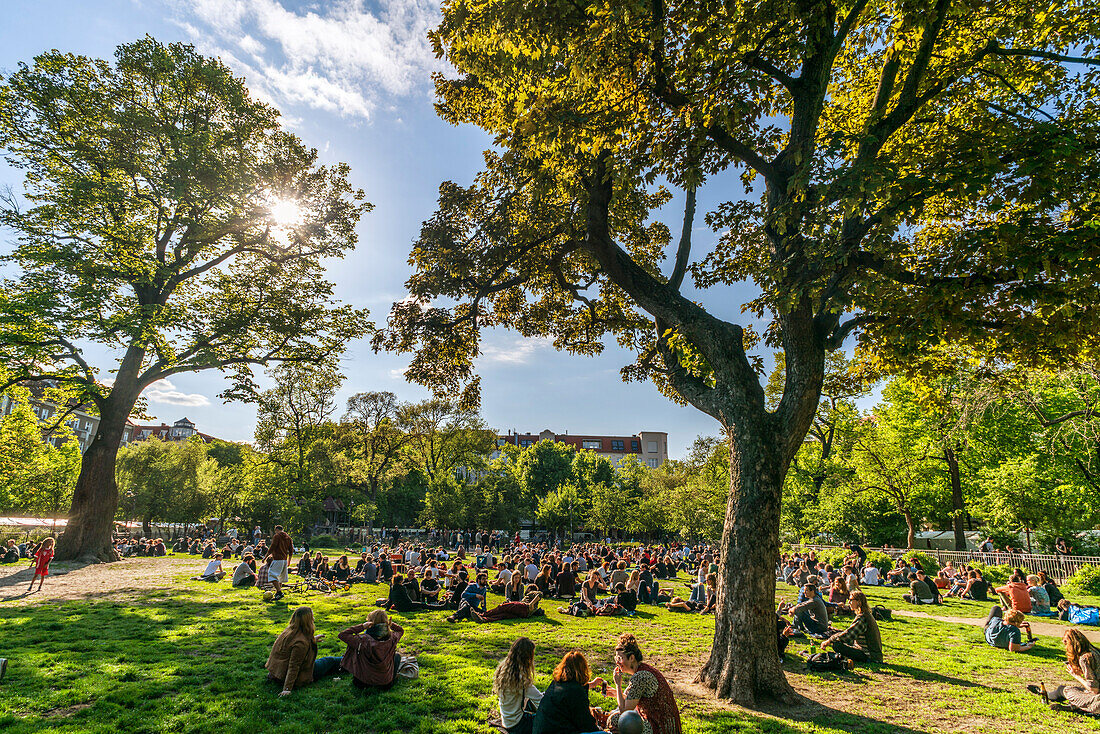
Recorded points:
1085,581
995,575
833,556
881,561
324,541
928,563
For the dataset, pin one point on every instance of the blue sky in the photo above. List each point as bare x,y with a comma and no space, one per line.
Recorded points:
352,79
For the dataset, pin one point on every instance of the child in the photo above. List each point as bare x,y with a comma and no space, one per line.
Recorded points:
42,563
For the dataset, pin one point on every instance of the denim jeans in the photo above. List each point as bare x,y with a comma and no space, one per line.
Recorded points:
325,666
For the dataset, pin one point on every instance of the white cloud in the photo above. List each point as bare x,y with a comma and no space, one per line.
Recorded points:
339,56
520,351
165,392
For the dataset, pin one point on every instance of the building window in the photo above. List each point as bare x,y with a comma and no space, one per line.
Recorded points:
595,445
652,447
617,446
652,463
635,446
501,441
525,442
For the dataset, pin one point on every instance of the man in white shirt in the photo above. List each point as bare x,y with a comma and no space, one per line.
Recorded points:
871,576
532,570
214,571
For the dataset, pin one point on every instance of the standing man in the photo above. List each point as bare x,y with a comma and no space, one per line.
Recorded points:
280,551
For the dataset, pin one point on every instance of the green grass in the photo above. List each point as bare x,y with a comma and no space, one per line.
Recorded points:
190,660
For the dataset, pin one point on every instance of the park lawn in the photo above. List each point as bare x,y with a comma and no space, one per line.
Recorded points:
190,660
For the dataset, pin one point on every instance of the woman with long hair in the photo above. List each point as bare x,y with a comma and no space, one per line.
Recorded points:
861,642
1083,663
564,708
648,692
838,592
513,683
371,656
515,589
293,659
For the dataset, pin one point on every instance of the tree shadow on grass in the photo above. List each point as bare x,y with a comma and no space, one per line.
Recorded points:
776,718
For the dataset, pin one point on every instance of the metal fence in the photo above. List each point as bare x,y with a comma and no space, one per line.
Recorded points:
1057,567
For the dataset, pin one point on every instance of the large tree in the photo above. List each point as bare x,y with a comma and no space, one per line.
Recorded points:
167,219
915,172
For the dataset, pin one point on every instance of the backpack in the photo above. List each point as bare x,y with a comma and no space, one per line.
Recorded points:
881,613
826,661
1083,615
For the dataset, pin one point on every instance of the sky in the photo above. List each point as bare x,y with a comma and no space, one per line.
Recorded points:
352,79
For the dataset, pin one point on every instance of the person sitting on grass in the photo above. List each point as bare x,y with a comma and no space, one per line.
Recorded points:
371,656
626,597
564,707
838,592
513,683
1002,629
871,576
1083,663
453,597
567,581
214,570
429,591
930,582
1053,592
811,616
503,578
11,553
1015,594
899,575
919,593
399,597
1040,599
293,659
526,607
244,575
648,692
515,589
861,642
710,594
473,599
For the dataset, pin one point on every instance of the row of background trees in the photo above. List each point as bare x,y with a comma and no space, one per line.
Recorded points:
977,448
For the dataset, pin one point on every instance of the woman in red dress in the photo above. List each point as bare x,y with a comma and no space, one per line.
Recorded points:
648,692
42,563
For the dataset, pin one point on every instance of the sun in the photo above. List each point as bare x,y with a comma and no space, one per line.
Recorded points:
285,213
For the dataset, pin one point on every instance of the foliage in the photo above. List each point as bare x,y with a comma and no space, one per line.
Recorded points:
165,481
880,560
930,565
148,244
997,574
1085,581
37,473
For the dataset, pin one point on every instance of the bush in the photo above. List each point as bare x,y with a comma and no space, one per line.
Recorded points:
995,575
324,541
1085,581
928,563
833,556
881,561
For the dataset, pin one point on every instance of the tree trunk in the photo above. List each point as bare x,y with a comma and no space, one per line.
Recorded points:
911,538
87,536
744,659
958,506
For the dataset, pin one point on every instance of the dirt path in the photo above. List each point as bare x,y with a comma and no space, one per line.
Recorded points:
69,581
1038,627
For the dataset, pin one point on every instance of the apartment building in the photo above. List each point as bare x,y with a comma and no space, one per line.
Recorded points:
651,447
83,424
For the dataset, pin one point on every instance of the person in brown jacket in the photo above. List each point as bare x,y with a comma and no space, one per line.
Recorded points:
372,657
293,659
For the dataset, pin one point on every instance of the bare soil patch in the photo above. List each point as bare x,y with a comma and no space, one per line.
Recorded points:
119,580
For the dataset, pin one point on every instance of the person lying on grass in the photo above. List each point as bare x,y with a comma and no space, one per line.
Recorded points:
526,607
371,656
293,659
861,642
1083,663
1002,629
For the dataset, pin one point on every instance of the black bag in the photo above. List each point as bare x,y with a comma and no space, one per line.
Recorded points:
881,613
825,661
